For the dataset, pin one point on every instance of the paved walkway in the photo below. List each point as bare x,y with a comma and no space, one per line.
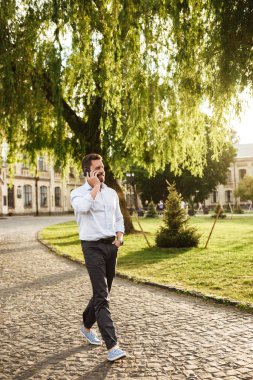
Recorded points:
167,336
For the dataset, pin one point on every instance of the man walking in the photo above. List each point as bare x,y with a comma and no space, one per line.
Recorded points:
101,230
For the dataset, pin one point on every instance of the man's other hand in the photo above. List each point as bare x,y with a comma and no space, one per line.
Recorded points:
117,243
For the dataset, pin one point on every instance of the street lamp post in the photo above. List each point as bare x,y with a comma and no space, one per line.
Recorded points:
130,181
36,192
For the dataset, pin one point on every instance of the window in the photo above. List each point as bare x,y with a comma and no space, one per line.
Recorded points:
43,196
27,196
242,173
11,197
57,196
19,192
215,196
229,176
71,172
228,194
42,164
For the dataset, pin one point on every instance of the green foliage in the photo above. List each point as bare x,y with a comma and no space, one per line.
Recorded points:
151,211
245,189
188,185
174,215
176,233
110,76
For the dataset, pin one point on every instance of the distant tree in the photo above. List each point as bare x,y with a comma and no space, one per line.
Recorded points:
177,232
245,189
188,185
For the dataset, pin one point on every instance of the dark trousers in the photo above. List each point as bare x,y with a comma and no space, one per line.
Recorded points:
100,260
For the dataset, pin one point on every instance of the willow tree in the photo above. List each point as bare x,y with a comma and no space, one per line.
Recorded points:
124,78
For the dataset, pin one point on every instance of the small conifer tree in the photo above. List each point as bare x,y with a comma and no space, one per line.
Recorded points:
177,232
151,211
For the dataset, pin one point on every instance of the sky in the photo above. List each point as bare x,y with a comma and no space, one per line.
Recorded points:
244,125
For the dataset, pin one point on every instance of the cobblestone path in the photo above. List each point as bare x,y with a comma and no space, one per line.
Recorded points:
167,336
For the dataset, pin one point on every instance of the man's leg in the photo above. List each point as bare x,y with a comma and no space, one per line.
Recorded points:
95,259
89,317
111,261
115,352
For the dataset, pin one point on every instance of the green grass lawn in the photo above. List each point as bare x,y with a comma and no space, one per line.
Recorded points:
225,268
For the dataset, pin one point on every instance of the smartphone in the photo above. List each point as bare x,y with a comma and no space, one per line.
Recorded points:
86,171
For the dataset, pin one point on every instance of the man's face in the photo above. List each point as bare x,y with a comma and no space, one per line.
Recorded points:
98,166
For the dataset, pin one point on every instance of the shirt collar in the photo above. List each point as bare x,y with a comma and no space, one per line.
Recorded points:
103,186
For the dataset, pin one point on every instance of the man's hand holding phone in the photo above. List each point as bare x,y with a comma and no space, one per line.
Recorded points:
93,181
92,178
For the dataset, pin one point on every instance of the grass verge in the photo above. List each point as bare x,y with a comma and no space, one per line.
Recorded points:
224,269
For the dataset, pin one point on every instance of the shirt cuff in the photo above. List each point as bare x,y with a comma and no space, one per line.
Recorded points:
120,228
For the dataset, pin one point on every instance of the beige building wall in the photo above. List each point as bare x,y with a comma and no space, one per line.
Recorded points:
48,191
242,166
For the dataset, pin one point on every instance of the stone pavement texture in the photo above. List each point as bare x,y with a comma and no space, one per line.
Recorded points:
167,336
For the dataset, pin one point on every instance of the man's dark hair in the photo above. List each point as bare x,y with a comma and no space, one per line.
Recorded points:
86,161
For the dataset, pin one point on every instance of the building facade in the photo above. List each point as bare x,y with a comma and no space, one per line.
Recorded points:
47,192
242,165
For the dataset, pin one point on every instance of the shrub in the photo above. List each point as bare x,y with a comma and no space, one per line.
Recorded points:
222,215
205,210
227,208
183,239
238,210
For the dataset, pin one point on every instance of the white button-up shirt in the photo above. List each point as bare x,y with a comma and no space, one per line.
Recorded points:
97,218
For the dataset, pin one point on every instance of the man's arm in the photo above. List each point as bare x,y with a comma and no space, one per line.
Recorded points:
95,190
119,223
119,235
83,203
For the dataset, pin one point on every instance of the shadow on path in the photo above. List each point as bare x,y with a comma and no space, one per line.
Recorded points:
49,280
53,359
16,250
97,373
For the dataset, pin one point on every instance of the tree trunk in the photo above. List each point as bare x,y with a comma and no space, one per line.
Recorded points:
111,182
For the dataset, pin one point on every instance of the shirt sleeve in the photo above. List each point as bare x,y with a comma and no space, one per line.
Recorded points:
119,220
81,203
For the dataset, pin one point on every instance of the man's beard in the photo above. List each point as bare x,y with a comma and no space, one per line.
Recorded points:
101,177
